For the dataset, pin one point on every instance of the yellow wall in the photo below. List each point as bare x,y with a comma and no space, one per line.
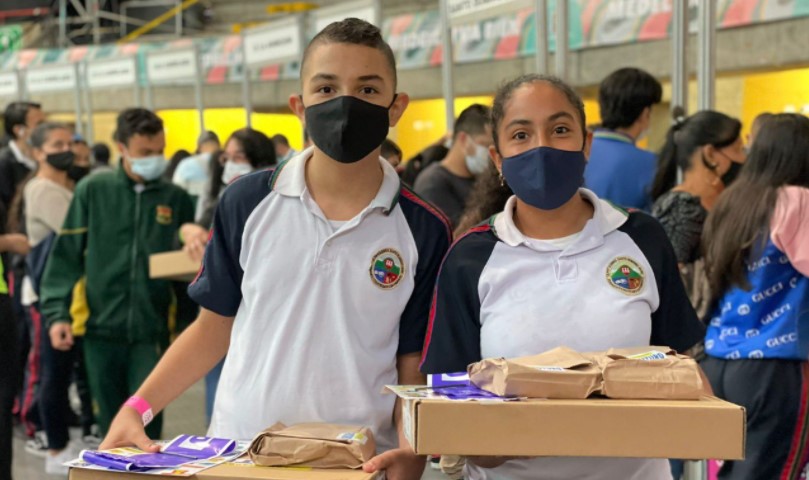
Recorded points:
424,122
776,92
182,126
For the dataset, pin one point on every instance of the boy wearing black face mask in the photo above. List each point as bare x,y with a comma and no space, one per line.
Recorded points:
318,276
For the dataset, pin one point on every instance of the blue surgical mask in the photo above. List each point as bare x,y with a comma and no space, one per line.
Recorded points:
478,162
545,177
149,168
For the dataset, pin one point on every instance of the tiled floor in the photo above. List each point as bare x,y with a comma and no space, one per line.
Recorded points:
185,415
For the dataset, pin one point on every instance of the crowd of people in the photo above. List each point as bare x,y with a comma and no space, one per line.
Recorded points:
330,272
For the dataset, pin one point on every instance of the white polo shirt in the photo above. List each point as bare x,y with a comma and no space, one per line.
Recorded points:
320,312
614,284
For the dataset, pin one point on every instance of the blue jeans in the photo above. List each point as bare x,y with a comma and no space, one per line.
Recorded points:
211,383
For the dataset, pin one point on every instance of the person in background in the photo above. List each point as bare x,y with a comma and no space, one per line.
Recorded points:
392,153
192,172
707,147
246,151
101,158
533,277
447,184
19,120
755,127
413,167
757,258
9,347
618,170
174,163
46,198
283,151
114,223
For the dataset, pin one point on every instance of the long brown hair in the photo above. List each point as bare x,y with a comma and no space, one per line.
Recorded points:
738,228
488,196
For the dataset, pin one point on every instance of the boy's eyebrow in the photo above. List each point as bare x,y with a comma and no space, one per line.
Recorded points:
324,76
368,78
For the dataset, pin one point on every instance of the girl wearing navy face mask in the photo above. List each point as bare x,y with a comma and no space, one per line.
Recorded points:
557,267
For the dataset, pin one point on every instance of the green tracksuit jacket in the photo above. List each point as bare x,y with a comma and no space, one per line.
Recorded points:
112,227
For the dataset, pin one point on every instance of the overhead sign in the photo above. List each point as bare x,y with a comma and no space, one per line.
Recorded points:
171,65
111,73
464,11
273,43
364,10
9,84
51,79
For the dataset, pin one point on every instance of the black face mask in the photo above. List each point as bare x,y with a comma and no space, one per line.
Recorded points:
733,172
76,172
61,161
346,128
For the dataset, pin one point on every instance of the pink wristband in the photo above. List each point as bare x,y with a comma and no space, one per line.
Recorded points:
142,407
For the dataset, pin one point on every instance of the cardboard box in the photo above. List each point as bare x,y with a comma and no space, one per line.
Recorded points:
173,266
708,428
236,472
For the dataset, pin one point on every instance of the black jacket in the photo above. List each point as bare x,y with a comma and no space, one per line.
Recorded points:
12,173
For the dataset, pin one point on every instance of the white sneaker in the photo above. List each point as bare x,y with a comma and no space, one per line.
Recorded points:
54,463
38,446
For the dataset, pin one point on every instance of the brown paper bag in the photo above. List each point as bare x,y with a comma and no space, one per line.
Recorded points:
650,373
557,373
317,445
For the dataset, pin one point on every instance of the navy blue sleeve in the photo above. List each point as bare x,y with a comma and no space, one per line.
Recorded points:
218,286
432,235
453,336
675,323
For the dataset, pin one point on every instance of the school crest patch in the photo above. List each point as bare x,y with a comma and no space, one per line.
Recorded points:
164,215
626,275
387,268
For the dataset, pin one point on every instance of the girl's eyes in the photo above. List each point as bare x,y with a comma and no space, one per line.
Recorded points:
561,130
519,136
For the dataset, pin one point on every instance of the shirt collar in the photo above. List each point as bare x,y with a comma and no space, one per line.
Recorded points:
606,218
608,134
289,180
21,158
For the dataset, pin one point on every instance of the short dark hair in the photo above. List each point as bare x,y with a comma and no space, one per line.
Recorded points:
473,120
624,94
15,114
101,153
257,147
353,31
507,89
136,121
389,149
279,139
42,131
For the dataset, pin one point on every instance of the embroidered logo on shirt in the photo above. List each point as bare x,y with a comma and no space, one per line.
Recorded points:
626,275
387,268
163,215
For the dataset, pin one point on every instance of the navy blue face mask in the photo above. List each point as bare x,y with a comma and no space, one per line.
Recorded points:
545,177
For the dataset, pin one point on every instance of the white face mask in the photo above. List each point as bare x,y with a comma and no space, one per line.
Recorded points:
235,170
478,162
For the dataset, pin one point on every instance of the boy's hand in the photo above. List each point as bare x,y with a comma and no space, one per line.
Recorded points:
61,336
398,464
127,430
